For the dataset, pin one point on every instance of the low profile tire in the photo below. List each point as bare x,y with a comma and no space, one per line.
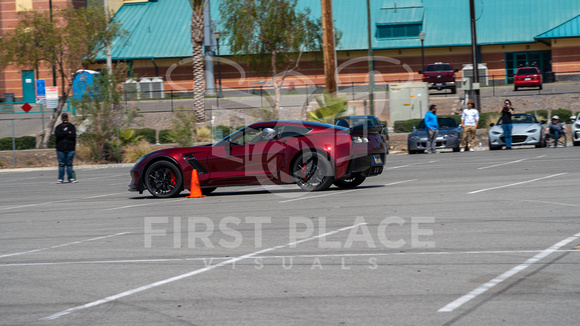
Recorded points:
540,88
577,143
454,90
494,148
515,89
207,191
352,182
163,179
456,149
312,172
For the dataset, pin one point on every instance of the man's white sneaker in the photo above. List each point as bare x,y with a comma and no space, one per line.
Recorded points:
72,181
471,150
462,150
59,181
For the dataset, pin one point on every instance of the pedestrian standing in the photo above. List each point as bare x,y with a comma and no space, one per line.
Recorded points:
506,112
66,138
469,121
432,127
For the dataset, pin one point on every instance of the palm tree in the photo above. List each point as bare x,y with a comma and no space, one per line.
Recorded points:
198,7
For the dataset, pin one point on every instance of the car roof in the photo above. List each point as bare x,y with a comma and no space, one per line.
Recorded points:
309,124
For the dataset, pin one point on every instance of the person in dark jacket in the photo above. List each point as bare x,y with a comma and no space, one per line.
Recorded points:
66,138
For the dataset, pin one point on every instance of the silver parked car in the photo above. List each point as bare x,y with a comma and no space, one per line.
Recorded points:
527,130
576,130
448,136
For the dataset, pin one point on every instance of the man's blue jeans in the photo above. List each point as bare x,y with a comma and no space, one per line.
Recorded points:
555,132
65,159
507,134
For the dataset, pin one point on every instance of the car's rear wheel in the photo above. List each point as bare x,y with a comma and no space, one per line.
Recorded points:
454,90
163,179
540,87
351,182
312,172
515,88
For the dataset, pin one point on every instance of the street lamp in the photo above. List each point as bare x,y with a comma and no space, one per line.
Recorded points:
217,36
422,38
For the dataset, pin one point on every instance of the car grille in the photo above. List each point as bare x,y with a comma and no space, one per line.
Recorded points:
516,139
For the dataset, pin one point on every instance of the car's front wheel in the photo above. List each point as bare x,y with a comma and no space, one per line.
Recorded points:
351,182
163,179
312,172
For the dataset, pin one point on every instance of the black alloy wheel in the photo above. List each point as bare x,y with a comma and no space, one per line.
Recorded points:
312,172
163,179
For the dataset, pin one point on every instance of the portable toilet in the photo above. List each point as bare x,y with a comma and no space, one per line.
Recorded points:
83,83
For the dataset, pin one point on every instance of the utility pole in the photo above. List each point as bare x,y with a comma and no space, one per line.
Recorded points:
53,64
328,46
109,59
371,63
474,93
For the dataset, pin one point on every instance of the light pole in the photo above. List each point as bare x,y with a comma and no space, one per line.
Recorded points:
422,38
217,36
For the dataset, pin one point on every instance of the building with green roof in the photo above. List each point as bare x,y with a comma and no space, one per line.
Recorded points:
510,34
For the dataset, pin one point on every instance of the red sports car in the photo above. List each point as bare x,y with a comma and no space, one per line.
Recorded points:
312,155
528,77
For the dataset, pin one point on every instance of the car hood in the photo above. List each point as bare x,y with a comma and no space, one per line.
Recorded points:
423,133
519,128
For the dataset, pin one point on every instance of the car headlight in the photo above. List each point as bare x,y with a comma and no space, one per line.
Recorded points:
532,130
496,132
578,125
359,140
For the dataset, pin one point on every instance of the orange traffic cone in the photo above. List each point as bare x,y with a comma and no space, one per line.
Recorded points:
195,190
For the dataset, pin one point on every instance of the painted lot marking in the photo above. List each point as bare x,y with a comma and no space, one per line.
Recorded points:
211,259
549,202
487,286
506,163
192,273
341,192
58,201
64,245
515,184
139,205
407,165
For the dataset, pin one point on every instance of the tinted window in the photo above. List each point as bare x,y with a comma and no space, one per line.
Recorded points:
439,67
527,71
293,131
521,118
444,123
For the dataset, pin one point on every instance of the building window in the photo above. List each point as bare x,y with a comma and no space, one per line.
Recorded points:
398,31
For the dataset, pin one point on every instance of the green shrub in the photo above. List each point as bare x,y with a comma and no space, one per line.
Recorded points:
147,133
564,115
165,137
6,144
406,125
26,142
52,141
486,118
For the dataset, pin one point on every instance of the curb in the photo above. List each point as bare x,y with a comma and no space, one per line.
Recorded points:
79,167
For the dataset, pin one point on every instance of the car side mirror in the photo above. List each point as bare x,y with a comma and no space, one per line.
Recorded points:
543,121
492,124
414,128
573,118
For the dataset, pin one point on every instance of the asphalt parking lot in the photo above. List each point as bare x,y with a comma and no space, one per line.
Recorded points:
481,238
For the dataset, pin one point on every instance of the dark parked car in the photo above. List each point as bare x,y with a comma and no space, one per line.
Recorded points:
365,124
528,77
440,75
312,155
448,136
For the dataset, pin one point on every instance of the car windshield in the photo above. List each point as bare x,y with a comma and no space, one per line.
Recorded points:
521,118
439,67
354,121
444,123
527,71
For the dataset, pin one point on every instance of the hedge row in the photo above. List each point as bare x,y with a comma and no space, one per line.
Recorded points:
25,142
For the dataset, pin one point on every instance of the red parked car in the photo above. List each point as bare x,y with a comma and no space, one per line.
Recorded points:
312,155
440,75
528,77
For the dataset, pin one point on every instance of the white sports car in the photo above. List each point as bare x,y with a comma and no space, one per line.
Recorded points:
527,130
576,130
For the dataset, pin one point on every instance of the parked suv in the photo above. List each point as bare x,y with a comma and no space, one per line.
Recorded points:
528,77
440,76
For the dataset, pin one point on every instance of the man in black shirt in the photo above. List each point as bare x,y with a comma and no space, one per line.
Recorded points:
66,137
506,112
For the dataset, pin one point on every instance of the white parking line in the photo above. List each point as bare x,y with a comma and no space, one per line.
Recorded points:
511,162
341,192
549,202
63,245
515,184
192,273
487,286
139,205
407,165
58,201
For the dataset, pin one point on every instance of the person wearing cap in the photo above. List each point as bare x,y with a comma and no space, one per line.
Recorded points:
432,126
555,128
66,137
469,120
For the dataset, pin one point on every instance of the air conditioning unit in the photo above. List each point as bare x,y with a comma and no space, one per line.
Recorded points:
131,89
146,88
482,70
158,87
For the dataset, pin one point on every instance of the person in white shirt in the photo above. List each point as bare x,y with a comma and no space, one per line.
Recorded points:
469,120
